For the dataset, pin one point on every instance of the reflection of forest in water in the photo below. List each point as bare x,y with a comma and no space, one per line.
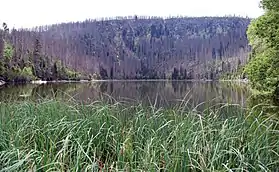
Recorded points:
164,93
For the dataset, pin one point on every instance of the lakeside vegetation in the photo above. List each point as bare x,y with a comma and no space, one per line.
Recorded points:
56,136
263,68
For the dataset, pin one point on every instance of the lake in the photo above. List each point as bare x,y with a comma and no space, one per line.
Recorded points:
157,93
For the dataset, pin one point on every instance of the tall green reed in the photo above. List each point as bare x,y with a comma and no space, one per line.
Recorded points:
56,136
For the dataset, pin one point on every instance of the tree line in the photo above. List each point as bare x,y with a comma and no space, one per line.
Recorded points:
127,48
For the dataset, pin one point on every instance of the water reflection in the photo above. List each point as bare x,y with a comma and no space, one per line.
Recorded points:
163,93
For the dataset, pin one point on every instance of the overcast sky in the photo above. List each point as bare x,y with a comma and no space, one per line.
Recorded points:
29,13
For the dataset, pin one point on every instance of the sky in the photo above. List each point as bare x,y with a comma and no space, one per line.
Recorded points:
30,13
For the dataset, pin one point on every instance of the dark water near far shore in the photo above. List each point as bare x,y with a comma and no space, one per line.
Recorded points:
159,93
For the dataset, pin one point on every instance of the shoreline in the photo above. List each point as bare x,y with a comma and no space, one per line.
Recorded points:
39,82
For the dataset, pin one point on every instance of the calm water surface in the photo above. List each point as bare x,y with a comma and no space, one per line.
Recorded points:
159,93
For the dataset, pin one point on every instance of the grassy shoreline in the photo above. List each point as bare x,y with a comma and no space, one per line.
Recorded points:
56,136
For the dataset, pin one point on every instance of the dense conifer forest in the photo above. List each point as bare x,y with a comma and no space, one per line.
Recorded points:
126,48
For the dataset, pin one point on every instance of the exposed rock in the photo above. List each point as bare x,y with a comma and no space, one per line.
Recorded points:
39,82
2,82
83,81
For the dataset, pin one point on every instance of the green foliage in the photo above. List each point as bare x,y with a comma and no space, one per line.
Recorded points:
5,62
263,35
239,74
60,72
72,75
26,69
16,74
31,65
8,51
272,5
27,72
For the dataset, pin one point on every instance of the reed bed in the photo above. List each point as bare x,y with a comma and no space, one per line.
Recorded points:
57,136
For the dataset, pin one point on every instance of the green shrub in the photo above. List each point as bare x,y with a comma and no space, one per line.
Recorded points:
263,68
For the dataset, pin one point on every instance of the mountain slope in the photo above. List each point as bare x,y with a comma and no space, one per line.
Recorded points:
142,48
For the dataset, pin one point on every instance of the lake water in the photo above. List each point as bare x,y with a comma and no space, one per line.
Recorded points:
157,93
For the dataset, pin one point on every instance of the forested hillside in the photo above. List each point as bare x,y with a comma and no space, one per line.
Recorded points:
127,48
